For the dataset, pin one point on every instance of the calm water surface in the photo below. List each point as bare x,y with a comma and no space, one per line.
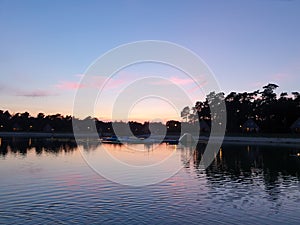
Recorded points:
46,181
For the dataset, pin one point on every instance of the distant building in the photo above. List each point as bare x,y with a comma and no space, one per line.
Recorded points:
296,126
16,127
250,126
173,126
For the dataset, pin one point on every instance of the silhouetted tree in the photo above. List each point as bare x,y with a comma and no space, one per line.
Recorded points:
263,107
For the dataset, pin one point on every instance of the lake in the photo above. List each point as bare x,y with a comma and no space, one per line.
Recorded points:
46,181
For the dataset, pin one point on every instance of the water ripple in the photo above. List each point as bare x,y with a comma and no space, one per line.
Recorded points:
66,191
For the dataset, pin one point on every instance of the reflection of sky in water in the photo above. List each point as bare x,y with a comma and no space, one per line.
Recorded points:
245,184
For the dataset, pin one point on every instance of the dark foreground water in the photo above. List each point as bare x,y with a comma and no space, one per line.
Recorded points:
47,181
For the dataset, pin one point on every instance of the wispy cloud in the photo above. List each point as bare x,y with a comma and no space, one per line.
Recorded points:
91,82
117,82
69,85
196,87
279,77
34,93
175,80
15,91
181,81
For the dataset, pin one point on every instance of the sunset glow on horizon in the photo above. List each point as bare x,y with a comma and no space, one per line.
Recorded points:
46,49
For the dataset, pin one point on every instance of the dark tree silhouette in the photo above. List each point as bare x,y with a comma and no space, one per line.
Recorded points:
272,114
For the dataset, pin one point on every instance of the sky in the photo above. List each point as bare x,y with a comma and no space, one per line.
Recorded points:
46,47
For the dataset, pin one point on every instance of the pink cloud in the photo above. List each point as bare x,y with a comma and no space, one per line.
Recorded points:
68,85
281,77
116,82
197,87
181,81
175,80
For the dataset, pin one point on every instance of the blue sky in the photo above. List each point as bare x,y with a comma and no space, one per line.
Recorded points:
47,45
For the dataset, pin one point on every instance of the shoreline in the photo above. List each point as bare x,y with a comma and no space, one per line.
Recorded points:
35,134
258,140
227,139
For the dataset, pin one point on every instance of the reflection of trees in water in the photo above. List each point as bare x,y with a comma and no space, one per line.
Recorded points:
186,155
89,144
198,153
268,166
22,145
40,145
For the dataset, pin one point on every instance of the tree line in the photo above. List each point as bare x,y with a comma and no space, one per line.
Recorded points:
57,123
271,113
